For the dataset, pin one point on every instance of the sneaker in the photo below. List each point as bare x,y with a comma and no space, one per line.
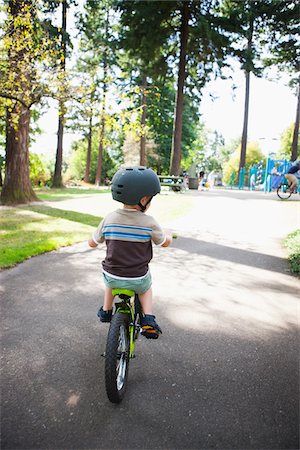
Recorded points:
150,329
104,316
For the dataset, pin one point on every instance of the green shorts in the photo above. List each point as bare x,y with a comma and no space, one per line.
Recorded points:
139,285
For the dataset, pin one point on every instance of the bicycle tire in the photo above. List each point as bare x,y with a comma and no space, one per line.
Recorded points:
117,357
283,192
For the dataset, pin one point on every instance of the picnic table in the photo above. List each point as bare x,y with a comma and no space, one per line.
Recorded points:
171,181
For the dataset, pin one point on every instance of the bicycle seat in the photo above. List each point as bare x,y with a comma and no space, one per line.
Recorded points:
121,292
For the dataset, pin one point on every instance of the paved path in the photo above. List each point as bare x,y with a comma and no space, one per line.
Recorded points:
225,373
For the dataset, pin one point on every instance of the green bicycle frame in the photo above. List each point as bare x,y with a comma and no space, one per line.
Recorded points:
127,307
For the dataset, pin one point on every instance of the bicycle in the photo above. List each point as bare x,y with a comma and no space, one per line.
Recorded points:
283,190
124,329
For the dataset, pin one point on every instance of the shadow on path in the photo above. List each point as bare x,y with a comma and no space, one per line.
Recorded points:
235,255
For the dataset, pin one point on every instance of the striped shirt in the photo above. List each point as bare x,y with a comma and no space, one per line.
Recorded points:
128,234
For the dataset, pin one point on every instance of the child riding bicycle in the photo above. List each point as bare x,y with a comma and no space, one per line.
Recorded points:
128,234
291,175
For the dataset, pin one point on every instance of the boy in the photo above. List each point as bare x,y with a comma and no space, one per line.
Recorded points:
128,234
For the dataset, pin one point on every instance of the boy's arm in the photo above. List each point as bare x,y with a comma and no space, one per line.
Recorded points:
161,237
97,237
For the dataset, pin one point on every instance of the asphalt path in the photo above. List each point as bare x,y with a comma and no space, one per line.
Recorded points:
224,374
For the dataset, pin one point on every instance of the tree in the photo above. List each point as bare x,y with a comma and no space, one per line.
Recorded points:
254,155
282,42
199,51
98,41
249,17
143,61
286,142
26,47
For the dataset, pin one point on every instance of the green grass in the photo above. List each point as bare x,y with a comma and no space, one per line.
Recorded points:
292,244
56,195
30,231
73,216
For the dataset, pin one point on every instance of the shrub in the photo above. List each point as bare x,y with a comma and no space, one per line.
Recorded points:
292,244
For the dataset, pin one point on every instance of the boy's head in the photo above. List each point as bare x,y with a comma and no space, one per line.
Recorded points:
135,186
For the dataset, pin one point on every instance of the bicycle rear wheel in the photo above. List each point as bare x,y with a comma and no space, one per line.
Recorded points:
283,192
117,357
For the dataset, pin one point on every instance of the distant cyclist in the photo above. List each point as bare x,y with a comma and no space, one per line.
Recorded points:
291,175
128,233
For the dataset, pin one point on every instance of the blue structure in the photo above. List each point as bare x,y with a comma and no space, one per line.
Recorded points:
242,178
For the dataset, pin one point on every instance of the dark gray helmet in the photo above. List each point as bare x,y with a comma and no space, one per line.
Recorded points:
130,184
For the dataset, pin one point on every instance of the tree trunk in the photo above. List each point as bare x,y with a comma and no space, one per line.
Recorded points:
245,125
177,130
17,186
102,119
246,108
89,150
294,155
57,177
101,136
143,123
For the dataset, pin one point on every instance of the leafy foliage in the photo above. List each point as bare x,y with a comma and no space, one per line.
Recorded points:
292,244
254,155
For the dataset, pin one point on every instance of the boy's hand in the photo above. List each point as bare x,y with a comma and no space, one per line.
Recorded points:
168,241
92,243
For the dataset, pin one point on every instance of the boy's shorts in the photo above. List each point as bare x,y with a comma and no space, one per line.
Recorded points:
139,286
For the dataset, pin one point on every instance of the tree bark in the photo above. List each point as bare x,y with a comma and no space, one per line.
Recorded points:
177,129
101,134
17,186
245,125
57,177
295,149
143,123
246,108
103,110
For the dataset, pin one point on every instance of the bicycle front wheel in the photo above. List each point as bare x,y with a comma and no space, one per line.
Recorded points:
283,192
117,357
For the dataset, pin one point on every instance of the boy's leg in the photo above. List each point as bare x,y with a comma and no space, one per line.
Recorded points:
151,329
108,299
105,312
146,301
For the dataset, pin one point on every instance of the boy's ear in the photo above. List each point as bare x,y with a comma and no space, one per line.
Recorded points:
144,200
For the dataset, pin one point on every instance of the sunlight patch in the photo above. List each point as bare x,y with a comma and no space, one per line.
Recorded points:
73,400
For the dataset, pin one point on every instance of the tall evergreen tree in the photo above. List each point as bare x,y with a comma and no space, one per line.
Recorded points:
282,41
189,36
57,177
97,33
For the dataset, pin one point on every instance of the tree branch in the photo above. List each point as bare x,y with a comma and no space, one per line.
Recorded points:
12,97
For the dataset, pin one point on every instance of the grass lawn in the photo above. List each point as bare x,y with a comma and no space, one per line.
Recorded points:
33,230
56,195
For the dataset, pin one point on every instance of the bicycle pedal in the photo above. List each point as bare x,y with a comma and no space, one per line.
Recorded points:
150,333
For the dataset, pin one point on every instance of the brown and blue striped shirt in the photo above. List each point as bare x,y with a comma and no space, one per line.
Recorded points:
128,234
